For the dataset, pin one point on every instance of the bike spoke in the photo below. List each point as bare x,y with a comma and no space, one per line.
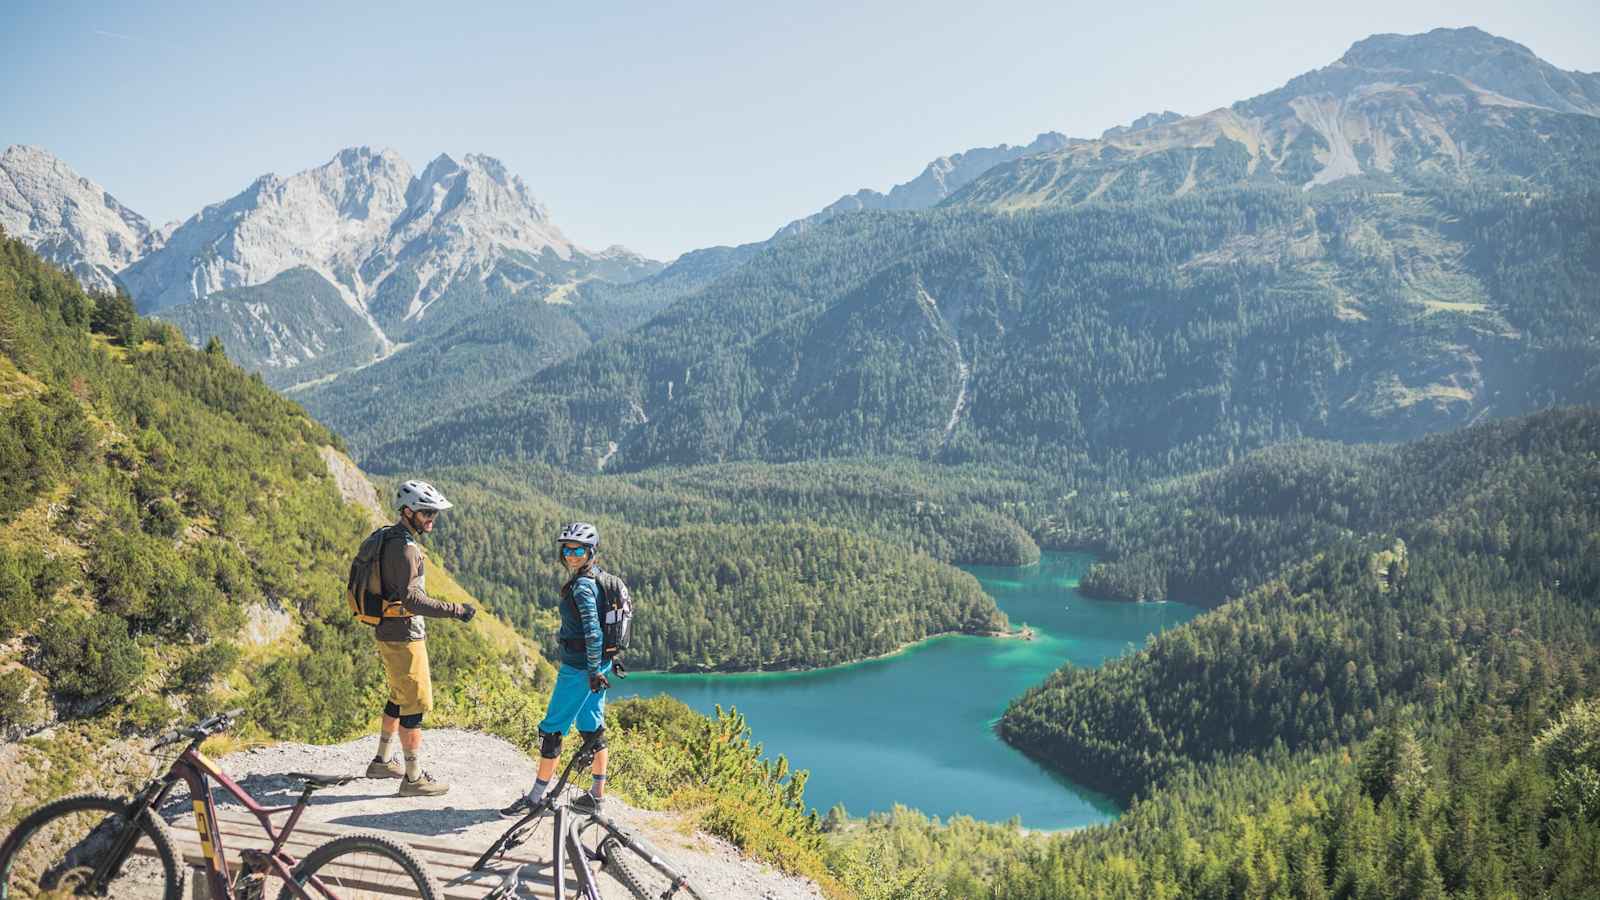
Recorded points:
362,875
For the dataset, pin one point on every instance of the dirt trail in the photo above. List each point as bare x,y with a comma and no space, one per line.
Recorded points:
484,773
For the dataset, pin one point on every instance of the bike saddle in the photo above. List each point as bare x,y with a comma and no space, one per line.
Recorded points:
321,781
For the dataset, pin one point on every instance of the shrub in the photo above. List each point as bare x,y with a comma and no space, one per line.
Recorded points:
22,703
27,580
194,674
90,656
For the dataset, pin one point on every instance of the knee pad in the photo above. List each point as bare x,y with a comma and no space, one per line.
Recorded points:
549,745
391,709
412,721
598,736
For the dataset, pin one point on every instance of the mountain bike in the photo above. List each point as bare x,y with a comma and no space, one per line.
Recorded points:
97,845
615,851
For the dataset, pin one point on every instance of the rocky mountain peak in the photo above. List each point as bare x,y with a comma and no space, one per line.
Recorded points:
1442,49
939,179
1486,60
480,200
1148,120
1454,104
69,219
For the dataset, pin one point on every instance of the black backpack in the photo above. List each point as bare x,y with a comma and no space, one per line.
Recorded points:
364,588
616,611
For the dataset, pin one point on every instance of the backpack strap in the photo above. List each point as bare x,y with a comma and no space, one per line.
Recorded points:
591,572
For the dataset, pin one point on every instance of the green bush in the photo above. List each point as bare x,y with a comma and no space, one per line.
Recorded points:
21,700
40,439
194,674
325,693
27,580
90,656
114,316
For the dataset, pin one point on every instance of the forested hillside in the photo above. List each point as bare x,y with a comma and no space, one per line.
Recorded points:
1488,576
1396,244
1144,338
1392,718
1217,534
743,567
172,541
481,356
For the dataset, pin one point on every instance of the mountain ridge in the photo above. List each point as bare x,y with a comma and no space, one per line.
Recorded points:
70,220
1383,111
1138,291
389,243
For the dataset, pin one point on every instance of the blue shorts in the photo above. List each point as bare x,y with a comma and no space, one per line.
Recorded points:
572,701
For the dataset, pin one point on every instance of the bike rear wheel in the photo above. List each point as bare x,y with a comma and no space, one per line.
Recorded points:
362,866
55,850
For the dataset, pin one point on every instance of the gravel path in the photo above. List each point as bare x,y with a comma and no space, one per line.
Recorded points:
484,773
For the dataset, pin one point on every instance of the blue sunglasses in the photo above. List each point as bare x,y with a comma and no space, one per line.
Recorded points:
575,551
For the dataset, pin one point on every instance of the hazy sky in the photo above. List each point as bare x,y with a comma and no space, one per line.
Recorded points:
662,126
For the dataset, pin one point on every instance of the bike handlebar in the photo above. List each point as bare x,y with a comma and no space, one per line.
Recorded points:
201,730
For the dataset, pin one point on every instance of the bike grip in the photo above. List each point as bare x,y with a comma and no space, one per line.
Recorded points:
234,713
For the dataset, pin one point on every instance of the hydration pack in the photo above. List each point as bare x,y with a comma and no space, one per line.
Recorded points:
364,589
615,607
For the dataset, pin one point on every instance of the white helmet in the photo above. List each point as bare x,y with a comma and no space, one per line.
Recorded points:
421,497
580,533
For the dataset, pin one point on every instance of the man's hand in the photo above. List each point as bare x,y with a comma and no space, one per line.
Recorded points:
467,612
598,682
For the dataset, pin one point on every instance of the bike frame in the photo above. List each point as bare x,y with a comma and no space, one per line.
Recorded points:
197,771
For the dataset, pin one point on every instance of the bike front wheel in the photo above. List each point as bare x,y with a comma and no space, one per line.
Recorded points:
361,866
621,868
57,850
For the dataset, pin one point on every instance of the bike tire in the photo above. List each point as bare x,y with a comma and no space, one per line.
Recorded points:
154,830
617,863
328,855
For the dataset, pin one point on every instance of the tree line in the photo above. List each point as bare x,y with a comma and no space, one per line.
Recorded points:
776,584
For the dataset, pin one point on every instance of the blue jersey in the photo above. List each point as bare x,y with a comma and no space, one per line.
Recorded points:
580,621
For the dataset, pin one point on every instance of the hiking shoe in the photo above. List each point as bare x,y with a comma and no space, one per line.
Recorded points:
424,786
394,768
518,808
588,803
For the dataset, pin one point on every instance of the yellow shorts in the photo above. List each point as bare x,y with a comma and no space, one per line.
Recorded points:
405,667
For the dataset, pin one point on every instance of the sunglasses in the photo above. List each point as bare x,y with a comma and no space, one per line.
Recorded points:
579,552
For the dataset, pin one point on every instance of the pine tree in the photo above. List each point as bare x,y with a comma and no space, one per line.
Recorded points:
1394,764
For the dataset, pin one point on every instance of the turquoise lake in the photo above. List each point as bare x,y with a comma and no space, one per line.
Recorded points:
917,728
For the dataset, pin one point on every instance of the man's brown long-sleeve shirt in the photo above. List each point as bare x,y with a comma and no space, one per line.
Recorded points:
403,570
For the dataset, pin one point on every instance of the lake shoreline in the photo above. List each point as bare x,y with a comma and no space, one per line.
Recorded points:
1021,634
916,726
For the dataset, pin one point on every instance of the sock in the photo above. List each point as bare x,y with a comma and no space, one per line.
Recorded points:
385,744
598,789
413,765
536,793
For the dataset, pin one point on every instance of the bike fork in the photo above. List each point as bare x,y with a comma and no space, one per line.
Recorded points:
570,847
147,801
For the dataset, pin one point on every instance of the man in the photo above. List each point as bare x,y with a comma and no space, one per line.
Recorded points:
580,692
402,640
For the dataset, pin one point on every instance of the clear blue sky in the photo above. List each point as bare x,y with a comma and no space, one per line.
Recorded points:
661,126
